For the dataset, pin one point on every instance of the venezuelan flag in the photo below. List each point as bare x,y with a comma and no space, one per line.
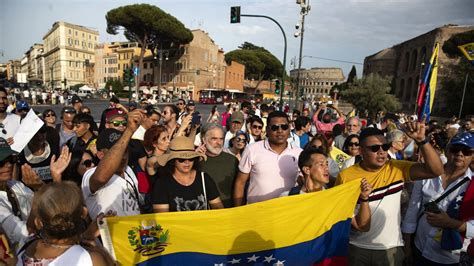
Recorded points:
338,156
308,229
427,88
468,51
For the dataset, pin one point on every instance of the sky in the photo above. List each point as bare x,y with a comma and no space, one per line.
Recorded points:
346,30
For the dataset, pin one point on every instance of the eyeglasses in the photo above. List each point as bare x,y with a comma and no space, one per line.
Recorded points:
376,147
456,149
180,104
10,159
257,127
50,115
240,140
280,126
353,144
181,160
88,163
118,123
2,126
70,111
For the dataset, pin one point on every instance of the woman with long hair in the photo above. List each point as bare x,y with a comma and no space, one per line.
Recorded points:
84,127
237,144
81,161
351,147
213,115
184,187
49,117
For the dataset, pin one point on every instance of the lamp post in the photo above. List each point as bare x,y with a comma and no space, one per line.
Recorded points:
305,7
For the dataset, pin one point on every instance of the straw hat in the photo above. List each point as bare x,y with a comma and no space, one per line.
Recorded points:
180,148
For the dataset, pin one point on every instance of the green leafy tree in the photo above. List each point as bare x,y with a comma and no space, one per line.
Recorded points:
116,85
452,85
259,63
370,94
352,75
149,26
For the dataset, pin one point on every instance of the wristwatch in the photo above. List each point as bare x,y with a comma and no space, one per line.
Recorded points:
423,142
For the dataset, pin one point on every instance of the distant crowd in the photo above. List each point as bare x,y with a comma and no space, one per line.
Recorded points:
416,205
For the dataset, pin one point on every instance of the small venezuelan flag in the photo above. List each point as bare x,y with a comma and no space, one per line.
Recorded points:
307,229
428,87
468,51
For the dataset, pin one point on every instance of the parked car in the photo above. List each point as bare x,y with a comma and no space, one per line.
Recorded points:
84,93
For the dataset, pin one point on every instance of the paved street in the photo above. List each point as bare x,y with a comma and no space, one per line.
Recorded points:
97,106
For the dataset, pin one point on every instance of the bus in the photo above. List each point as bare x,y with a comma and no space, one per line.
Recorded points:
238,96
213,96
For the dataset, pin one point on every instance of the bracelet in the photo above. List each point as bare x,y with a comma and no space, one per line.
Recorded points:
423,142
364,200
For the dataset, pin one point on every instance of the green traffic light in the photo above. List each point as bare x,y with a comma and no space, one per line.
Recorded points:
235,14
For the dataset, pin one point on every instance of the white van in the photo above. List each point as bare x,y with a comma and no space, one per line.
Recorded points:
84,93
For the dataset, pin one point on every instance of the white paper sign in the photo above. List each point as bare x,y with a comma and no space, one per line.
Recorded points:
28,128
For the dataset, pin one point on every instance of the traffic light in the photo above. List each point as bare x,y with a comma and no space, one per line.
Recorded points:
64,82
126,76
235,14
277,86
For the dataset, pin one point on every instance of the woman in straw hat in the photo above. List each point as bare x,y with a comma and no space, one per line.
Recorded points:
184,187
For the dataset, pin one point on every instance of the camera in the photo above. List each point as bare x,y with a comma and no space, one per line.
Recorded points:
413,118
196,120
431,207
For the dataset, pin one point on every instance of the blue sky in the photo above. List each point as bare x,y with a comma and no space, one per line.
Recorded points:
338,29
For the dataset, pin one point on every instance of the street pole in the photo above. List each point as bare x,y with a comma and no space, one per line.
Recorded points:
463,93
304,11
284,54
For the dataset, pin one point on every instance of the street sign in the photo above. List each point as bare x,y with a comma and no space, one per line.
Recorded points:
135,71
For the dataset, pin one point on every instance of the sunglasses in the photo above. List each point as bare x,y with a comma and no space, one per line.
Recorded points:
281,126
180,160
356,144
257,127
456,149
317,147
240,140
10,159
70,111
50,115
88,163
180,104
118,123
376,148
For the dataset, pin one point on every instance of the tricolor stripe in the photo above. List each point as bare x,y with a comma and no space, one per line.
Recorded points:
427,88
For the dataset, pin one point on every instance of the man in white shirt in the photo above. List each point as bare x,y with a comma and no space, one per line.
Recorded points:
112,185
9,123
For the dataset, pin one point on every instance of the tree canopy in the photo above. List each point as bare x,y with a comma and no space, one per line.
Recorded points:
259,63
352,75
450,47
149,26
370,94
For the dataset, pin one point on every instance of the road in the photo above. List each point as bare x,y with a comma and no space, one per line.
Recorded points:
97,106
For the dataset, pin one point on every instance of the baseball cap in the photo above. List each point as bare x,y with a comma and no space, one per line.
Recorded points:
107,138
76,99
5,149
68,109
237,117
465,139
191,102
113,113
22,105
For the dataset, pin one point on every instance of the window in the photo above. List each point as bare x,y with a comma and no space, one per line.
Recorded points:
69,31
76,33
183,78
407,61
414,57
145,65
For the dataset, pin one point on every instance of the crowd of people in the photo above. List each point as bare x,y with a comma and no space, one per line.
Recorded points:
416,205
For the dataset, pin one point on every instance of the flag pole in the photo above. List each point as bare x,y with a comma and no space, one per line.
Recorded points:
463,93
420,77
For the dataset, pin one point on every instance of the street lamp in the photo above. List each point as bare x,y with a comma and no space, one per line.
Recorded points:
305,7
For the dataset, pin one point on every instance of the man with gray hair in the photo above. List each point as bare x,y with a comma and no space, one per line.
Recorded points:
353,126
221,166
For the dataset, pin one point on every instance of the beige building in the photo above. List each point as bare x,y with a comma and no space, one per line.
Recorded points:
68,48
404,63
35,57
316,83
13,68
234,76
105,66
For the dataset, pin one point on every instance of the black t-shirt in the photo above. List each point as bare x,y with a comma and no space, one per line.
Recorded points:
183,198
136,150
41,166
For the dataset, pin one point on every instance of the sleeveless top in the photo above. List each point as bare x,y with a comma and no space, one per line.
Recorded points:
75,255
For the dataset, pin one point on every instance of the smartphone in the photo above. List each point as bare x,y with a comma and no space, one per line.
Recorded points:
196,120
431,207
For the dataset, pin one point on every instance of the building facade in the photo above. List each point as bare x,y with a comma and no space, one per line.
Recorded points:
35,57
405,63
13,68
234,76
317,82
68,49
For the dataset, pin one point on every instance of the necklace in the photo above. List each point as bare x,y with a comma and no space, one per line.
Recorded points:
58,246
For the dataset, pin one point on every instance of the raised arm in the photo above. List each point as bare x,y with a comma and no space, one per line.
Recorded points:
112,159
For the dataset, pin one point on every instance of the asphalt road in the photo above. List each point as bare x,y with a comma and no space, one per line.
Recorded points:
97,106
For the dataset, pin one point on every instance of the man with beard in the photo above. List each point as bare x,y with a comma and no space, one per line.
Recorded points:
221,166
112,185
270,166
325,126
9,122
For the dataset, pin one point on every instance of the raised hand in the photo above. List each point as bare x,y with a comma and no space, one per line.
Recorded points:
415,129
30,177
365,189
58,166
135,118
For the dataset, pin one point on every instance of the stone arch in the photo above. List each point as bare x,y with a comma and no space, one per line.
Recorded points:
406,61
401,89
408,89
414,58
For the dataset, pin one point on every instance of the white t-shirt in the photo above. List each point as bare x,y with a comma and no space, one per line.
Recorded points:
11,124
75,255
14,226
119,194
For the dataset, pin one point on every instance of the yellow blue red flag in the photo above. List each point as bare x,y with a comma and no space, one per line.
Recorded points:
305,229
427,88
468,51
338,156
